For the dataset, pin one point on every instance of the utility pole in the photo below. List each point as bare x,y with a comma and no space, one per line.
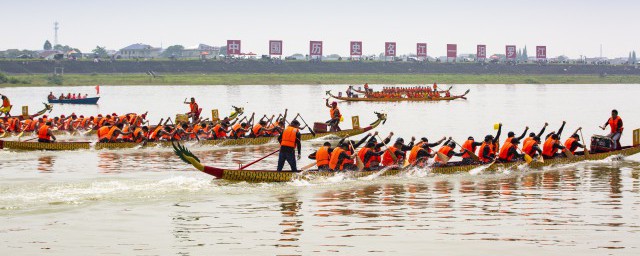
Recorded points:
55,28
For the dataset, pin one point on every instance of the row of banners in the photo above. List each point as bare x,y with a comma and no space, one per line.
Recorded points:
315,49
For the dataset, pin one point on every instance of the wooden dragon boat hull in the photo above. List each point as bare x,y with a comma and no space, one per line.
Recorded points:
398,99
27,145
47,108
286,176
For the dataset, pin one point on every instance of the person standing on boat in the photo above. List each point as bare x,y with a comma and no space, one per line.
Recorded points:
194,110
290,139
615,122
45,135
6,105
334,122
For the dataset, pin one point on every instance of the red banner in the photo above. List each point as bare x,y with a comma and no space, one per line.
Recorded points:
541,52
390,49
452,50
356,48
421,50
481,51
510,52
315,48
275,47
233,47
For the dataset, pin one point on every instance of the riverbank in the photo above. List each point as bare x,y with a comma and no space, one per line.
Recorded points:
315,78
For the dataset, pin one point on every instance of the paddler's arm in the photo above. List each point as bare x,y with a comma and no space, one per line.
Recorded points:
285,114
438,143
326,103
523,133
542,131
299,143
561,127
497,138
513,151
313,155
485,153
357,145
537,149
577,144
476,144
52,136
606,123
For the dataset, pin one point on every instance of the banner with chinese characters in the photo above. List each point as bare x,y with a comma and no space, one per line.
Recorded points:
541,52
390,49
355,48
421,49
233,47
481,52
452,50
315,48
510,52
275,47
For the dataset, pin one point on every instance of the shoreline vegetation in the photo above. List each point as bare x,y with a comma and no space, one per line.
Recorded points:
308,78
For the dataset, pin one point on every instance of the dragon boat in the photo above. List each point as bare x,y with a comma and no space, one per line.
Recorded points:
28,145
47,108
450,168
462,96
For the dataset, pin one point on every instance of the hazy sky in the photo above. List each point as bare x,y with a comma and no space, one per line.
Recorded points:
569,27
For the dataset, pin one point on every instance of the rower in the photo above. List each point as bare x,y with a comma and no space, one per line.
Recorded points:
335,114
615,122
102,132
532,147
370,156
396,149
51,96
238,131
340,156
533,135
422,151
220,130
140,134
552,143
289,140
469,146
448,150
6,106
322,156
45,135
511,135
259,130
509,152
115,131
486,152
194,110
573,142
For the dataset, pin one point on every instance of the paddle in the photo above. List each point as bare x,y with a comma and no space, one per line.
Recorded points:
527,158
393,155
262,158
358,160
305,123
586,150
472,154
306,167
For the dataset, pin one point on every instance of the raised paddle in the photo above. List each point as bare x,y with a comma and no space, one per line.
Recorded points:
393,155
358,161
262,158
309,128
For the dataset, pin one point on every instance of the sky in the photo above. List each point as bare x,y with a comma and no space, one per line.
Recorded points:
566,27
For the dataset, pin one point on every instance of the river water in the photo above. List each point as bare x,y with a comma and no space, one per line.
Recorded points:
147,202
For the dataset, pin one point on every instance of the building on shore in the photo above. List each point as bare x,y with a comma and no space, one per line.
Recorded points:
201,51
139,51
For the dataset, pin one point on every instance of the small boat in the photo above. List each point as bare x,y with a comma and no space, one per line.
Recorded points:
451,168
398,98
83,101
29,145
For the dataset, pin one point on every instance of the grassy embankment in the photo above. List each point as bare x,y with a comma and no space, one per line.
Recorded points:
317,78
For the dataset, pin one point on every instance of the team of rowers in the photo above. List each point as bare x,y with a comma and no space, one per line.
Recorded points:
69,96
400,92
134,127
380,154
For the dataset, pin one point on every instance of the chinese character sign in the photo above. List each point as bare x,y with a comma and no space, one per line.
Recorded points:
233,47
481,52
390,49
452,50
421,50
510,52
356,48
275,47
315,48
541,52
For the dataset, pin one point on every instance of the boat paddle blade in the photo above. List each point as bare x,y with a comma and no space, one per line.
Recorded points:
568,153
306,167
443,157
528,158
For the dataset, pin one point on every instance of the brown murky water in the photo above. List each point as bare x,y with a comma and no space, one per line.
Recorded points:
146,202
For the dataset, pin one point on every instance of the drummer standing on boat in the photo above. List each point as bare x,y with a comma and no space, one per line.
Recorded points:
194,110
615,122
6,105
334,122
290,140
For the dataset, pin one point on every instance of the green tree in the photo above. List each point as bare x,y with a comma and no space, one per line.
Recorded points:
223,50
633,58
173,51
47,45
525,56
100,52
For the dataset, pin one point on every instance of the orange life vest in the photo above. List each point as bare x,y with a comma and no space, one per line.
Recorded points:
413,155
193,107
444,150
504,151
482,149
289,137
128,136
333,160
238,131
468,145
614,123
527,148
387,159
154,134
137,134
43,133
547,148
220,133
102,132
257,130
5,102
322,156
363,153
333,113
110,135
527,139
568,143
